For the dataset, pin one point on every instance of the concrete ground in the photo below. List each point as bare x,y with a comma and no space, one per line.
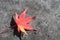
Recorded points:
47,22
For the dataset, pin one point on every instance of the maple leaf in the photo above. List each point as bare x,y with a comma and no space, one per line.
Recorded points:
23,22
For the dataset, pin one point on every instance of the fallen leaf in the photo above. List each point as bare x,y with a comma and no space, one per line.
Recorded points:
23,22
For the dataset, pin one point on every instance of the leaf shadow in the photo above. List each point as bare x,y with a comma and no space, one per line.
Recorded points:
13,26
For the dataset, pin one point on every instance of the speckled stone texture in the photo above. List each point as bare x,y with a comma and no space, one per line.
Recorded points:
47,22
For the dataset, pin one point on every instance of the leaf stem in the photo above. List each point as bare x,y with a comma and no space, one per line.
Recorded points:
7,29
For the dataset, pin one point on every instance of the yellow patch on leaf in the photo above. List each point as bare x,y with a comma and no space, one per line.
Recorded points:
20,28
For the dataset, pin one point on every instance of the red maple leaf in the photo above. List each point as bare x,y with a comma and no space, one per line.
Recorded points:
23,22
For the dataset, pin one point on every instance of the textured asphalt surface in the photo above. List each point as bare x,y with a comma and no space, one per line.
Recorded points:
47,22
